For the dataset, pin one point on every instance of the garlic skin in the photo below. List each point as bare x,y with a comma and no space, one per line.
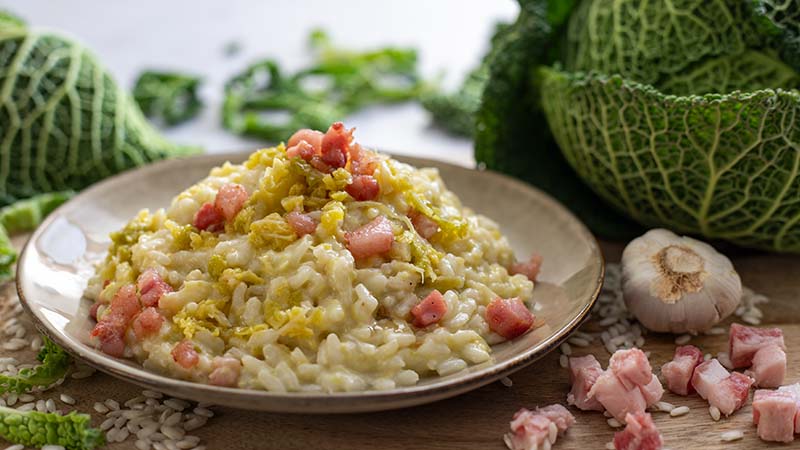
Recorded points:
677,284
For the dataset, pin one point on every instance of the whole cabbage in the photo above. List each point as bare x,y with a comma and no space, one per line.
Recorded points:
681,114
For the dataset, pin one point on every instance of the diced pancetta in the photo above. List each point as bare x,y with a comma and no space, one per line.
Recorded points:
425,226
302,224
207,218
746,341
230,199
363,188
652,391
147,323
185,355
769,366
335,145
429,310
774,414
640,433
794,389
110,330
303,150
532,430
362,162
632,367
727,391
152,287
584,371
374,238
615,397
225,371
529,268
628,386
678,372
508,317
311,137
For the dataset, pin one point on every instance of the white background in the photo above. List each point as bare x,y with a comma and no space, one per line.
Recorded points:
128,36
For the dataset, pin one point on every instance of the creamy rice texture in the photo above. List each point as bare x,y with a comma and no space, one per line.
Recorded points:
301,313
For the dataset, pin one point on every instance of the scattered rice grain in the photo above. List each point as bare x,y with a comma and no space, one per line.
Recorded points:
714,412
664,406
679,411
505,381
67,399
613,423
566,349
683,339
579,342
563,361
733,435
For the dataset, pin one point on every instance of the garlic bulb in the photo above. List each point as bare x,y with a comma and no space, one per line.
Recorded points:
678,284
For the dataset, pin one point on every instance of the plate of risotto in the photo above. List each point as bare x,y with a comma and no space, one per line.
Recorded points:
314,276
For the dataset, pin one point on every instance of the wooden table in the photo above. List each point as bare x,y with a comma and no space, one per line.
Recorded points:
477,420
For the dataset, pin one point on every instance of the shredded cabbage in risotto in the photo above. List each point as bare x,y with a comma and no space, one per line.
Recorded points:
315,266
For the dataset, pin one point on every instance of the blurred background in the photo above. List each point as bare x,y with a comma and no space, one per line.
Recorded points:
217,39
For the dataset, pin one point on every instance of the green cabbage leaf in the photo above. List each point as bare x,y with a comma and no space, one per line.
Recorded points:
64,122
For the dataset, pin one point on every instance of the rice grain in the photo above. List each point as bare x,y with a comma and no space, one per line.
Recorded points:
679,411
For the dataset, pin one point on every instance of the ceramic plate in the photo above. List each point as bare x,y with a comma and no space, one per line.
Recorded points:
59,258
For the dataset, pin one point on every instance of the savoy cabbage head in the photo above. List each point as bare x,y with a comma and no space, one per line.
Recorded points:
64,122
681,114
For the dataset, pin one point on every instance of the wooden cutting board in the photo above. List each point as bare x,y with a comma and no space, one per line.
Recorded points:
477,420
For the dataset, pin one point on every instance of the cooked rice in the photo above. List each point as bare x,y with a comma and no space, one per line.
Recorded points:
300,313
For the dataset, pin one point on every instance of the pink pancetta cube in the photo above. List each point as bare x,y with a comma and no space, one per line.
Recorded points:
794,389
774,414
584,371
631,367
628,386
746,341
769,366
678,372
652,391
640,433
531,429
727,391
615,398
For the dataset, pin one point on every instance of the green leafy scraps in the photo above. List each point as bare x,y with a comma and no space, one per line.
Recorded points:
54,365
24,215
37,429
266,103
168,96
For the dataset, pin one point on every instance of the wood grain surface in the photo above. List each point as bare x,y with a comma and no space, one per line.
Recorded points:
477,420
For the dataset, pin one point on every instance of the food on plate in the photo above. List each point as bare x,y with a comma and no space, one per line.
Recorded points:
775,414
640,433
727,391
538,429
678,372
678,284
628,385
745,341
769,366
319,266
583,373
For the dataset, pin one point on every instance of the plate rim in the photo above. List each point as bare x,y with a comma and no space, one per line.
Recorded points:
367,401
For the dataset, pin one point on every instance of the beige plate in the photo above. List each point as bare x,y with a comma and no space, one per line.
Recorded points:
58,260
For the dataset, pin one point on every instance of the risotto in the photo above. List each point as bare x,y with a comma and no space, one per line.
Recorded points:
314,266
